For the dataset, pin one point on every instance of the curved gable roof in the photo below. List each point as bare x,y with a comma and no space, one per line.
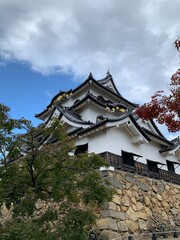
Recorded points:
109,79
89,81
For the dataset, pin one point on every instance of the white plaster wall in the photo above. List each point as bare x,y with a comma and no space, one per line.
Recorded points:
98,142
91,111
105,95
81,141
116,139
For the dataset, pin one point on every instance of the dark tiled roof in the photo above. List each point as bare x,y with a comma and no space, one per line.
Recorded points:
102,102
103,122
75,131
115,119
86,82
52,101
175,142
92,127
71,115
156,127
107,79
161,137
139,128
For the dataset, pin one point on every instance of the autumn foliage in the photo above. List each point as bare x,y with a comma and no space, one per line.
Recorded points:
165,108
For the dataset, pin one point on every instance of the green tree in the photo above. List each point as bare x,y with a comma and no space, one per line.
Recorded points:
51,193
8,138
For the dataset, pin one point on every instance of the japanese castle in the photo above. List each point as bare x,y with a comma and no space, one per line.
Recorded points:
102,121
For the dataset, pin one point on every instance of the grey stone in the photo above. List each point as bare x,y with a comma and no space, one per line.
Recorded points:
115,183
107,223
104,173
141,199
174,211
130,178
142,224
161,188
132,226
122,226
113,214
144,186
131,214
108,235
110,205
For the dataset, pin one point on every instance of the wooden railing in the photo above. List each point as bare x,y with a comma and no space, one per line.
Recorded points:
140,168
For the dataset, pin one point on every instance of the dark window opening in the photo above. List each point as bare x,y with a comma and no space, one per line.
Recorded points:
153,166
170,166
81,149
128,158
99,118
101,99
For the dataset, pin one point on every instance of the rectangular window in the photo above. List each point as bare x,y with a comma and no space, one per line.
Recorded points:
81,148
153,166
128,158
170,166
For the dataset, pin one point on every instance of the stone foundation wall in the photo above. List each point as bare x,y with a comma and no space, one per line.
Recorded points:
140,205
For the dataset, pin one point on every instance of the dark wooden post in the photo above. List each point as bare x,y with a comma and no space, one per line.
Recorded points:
175,234
130,238
154,236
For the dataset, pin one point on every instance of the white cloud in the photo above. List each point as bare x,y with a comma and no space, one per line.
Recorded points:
133,39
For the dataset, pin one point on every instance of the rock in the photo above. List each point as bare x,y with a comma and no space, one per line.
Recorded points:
129,193
148,212
165,216
132,226
172,223
144,186
174,211
151,225
139,206
125,201
167,187
131,214
147,201
133,200
122,226
129,178
108,235
154,188
113,214
110,205
135,194
159,219
115,183
142,224
134,207
128,185
159,197
124,208
154,200
161,188
119,191
142,215
116,199
165,204
141,199
107,223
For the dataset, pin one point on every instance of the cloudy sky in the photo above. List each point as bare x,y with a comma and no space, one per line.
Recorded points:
47,46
